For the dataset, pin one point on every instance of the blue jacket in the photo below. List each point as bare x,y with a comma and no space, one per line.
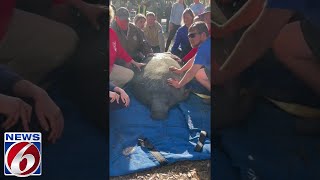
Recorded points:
181,41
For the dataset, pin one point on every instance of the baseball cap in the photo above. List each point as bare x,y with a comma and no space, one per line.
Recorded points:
206,10
122,13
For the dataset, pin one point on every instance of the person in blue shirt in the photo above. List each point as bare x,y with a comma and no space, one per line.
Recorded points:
201,67
296,44
175,20
181,46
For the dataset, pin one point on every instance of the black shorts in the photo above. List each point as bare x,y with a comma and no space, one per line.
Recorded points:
311,35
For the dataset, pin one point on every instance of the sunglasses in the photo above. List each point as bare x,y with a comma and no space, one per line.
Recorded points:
192,35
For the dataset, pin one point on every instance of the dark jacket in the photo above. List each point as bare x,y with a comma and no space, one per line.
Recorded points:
7,80
133,42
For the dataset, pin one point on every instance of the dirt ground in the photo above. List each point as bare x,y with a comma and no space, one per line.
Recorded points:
191,170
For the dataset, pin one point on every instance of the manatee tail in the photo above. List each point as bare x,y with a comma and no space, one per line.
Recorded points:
159,108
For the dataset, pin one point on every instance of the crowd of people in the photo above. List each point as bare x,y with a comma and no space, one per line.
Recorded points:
144,36
271,25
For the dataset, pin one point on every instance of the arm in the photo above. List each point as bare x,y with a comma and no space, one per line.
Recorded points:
217,15
123,95
188,65
248,13
49,114
111,86
186,78
190,74
177,42
254,42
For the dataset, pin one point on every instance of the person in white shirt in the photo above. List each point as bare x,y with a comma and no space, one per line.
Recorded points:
175,20
197,7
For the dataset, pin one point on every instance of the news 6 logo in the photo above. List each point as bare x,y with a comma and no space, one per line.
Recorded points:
22,154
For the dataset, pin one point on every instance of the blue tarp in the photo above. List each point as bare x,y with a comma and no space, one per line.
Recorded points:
80,153
174,138
267,147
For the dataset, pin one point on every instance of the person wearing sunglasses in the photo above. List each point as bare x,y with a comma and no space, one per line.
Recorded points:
200,68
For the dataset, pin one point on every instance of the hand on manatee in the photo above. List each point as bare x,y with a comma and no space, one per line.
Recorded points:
173,82
114,97
140,65
176,58
150,54
175,69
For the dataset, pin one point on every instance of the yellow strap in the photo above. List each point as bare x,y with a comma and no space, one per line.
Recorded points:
297,109
203,96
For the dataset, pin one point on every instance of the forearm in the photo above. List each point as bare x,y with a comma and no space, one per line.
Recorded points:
27,89
118,89
244,17
188,65
189,75
134,62
255,41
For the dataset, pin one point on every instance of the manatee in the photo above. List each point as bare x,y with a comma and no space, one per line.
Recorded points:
150,85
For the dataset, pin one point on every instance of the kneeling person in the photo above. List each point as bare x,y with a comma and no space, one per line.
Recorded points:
200,68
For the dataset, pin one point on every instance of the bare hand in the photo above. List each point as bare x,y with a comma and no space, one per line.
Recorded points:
173,82
177,59
139,65
14,109
175,69
93,12
114,96
125,98
150,54
49,115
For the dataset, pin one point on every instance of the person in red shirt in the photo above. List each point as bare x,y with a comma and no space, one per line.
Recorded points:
119,75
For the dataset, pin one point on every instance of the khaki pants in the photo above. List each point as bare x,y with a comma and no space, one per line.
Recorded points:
34,45
120,75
